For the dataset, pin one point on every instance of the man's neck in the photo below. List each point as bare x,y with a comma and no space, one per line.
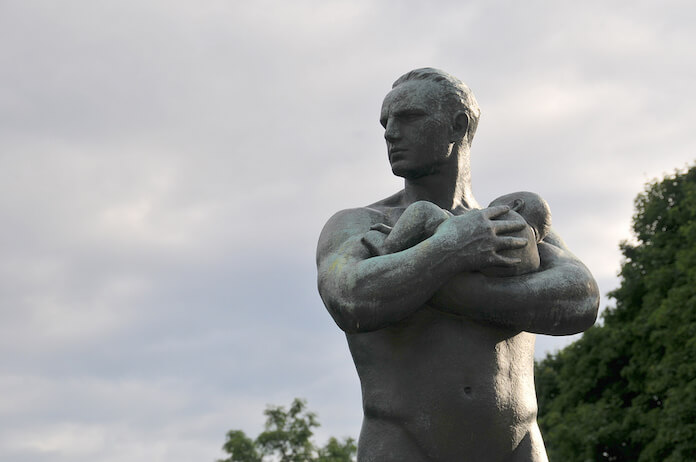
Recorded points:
449,187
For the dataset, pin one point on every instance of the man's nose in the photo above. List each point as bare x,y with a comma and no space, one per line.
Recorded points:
391,131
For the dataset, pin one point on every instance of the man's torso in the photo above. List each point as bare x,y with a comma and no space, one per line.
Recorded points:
437,386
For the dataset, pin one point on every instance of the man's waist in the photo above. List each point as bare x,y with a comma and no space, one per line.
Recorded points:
448,439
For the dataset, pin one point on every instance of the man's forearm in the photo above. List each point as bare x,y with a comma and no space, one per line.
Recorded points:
365,294
561,299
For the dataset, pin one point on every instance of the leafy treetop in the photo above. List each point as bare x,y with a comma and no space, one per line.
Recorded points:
287,438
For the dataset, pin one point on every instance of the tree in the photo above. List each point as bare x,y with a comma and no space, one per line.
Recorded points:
287,438
626,391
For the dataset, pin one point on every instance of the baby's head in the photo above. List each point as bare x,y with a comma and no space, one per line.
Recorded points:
533,209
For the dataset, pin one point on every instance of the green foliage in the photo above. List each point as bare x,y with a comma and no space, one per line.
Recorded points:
240,448
337,451
626,391
287,438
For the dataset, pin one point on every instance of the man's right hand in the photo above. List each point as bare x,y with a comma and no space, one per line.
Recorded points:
474,238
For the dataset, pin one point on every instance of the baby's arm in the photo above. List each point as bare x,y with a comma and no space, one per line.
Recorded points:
418,222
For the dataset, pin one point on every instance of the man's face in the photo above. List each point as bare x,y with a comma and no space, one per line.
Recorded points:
417,128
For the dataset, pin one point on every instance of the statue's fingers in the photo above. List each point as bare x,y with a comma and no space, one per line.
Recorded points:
510,242
508,226
500,260
381,227
495,211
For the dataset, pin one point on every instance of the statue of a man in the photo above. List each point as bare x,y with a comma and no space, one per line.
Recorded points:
445,353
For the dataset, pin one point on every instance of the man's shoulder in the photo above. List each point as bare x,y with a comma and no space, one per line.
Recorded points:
555,240
346,225
352,224
387,204
360,217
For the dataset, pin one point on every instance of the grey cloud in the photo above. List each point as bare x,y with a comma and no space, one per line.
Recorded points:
165,170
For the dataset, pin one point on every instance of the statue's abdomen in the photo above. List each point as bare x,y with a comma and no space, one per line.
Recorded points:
457,390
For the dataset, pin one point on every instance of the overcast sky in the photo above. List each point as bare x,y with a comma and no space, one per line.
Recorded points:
166,168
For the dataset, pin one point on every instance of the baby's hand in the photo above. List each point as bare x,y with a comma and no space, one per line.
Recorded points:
374,240
382,228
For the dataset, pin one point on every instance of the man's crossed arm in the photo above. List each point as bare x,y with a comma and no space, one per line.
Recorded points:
562,298
365,292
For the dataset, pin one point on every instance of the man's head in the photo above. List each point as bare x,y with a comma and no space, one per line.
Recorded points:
429,118
454,93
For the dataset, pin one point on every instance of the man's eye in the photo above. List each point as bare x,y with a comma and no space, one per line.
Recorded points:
410,116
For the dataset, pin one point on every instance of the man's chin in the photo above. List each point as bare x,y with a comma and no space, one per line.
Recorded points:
402,173
409,174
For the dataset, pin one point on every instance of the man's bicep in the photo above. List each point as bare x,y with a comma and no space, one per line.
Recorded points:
570,272
341,256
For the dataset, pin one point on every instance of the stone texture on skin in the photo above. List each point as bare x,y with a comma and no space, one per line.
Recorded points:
445,353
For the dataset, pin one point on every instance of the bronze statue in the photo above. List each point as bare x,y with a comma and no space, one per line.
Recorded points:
440,320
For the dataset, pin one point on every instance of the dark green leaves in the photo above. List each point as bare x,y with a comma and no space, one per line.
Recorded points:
626,391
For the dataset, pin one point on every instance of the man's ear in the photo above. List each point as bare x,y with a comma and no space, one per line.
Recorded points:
460,125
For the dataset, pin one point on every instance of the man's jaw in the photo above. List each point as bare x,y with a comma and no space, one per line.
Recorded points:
395,152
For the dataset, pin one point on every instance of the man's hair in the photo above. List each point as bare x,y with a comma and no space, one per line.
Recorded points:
459,96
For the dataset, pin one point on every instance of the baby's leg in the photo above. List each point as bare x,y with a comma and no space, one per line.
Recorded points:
418,222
